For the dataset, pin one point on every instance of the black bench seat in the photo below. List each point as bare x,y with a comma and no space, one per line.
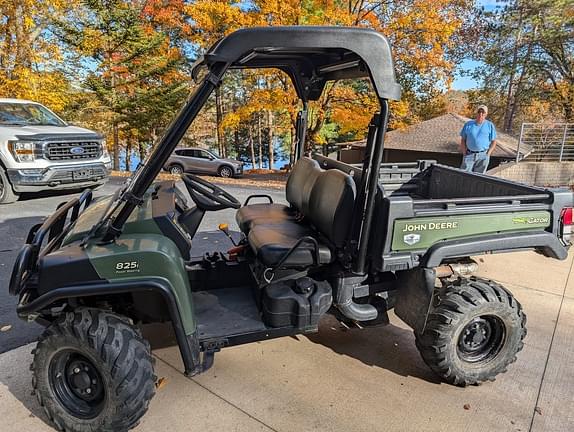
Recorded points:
299,186
324,213
252,214
272,242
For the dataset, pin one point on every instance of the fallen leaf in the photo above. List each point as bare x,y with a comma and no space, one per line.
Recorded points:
5,328
466,406
161,383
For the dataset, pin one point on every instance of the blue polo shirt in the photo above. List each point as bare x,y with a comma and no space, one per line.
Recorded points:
478,136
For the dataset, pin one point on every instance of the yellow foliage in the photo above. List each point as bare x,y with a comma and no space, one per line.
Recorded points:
27,58
420,32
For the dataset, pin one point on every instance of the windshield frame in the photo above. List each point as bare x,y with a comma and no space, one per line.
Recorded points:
44,111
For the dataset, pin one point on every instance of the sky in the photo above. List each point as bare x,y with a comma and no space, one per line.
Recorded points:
464,82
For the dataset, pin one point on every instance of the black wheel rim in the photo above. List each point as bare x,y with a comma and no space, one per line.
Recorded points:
77,384
481,339
225,172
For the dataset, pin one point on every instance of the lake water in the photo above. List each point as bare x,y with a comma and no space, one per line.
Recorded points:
280,161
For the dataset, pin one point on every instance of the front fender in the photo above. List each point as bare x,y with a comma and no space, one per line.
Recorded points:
188,344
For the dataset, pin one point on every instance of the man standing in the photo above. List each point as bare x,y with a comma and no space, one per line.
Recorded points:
477,142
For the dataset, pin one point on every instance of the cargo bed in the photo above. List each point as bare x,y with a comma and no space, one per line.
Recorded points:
441,212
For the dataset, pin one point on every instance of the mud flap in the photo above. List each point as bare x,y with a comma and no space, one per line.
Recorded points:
414,296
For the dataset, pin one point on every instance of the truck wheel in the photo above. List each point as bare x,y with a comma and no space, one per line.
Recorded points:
7,194
92,370
474,330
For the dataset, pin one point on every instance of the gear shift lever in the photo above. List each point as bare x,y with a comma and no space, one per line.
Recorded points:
225,229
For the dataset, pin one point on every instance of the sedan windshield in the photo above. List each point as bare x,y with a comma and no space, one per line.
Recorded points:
27,114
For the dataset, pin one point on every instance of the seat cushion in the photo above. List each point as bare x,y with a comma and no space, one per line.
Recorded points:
271,242
270,213
331,205
298,190
300,183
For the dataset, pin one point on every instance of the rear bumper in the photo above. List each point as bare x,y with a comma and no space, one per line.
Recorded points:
58,177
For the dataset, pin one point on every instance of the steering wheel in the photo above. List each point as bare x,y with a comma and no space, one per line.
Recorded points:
207,196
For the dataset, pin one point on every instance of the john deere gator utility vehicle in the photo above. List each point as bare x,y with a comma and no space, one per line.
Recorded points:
344,246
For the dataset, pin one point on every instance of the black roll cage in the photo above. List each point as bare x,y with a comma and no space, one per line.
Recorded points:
311,56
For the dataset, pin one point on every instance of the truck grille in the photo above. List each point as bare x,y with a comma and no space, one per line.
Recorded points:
73,150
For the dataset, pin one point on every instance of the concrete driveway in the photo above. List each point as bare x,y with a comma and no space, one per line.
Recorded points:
358,380
336,380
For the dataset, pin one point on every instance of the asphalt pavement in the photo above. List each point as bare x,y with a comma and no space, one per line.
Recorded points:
16,220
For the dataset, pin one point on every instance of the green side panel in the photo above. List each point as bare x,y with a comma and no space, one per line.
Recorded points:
140,221
422,233
141,256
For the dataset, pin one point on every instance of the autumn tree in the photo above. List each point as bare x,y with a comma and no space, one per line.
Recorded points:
30,57
529,60
426,40
131,65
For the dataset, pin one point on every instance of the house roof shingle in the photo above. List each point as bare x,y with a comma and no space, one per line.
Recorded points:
440,135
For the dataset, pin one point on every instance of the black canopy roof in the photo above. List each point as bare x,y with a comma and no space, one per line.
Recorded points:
311,56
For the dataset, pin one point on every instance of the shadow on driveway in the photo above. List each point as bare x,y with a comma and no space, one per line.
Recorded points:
388,347
13,232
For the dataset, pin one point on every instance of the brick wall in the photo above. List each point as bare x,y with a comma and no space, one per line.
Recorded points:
537,173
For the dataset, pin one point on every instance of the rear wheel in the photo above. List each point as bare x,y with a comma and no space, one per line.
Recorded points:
473,332
176,170
225,171
7,194
92,370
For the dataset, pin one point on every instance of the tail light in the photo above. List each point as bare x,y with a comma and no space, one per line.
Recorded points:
566,224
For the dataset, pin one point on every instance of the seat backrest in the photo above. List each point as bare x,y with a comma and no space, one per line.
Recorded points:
331,205
300,183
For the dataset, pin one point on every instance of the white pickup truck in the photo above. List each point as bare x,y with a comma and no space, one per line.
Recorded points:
39,151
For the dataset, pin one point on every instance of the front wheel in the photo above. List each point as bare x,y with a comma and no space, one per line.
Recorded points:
7,194
92,370
474,330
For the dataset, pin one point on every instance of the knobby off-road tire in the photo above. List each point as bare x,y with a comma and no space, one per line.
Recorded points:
100,351
474,331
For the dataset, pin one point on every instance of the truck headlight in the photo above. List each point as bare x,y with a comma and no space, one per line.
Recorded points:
23,151
105,152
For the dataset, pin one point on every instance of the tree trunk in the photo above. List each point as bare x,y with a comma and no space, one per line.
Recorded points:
293,144
218,119
141,150
116,145
259,140
510,94
270,132
129,152
251,147
236,141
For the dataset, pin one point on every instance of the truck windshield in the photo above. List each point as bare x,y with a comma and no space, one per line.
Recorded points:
27,114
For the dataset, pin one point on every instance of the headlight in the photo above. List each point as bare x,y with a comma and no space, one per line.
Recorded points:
23,151
105,152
